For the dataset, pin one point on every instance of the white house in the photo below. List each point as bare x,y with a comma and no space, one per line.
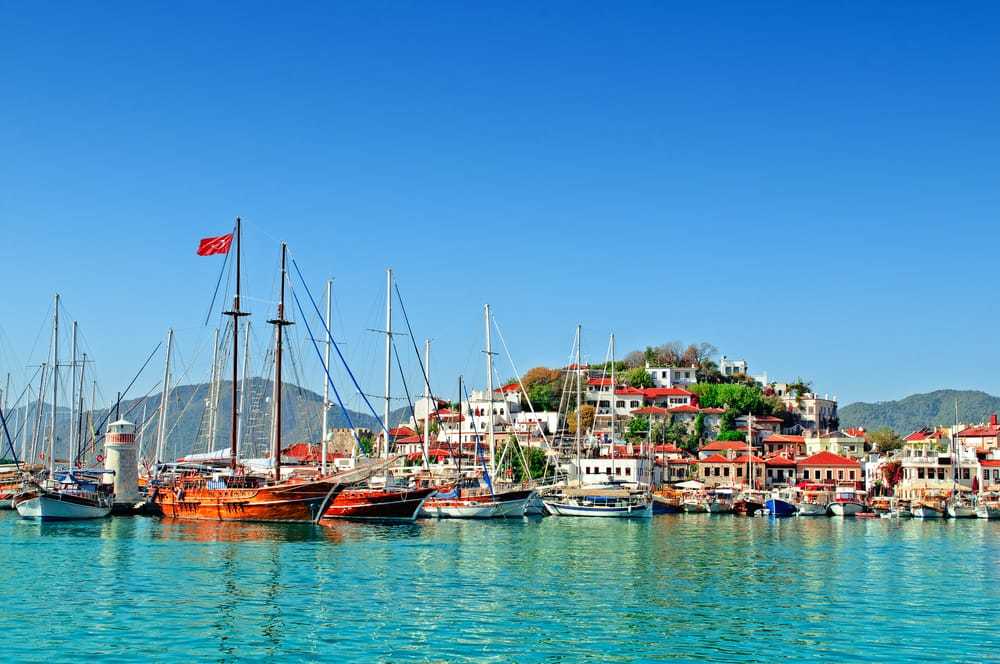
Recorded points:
672,376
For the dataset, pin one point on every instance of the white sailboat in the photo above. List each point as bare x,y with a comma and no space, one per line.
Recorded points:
615,502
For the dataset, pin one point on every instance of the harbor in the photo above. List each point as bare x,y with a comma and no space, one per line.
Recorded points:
685,587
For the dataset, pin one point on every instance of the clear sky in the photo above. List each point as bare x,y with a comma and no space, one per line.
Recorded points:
812,188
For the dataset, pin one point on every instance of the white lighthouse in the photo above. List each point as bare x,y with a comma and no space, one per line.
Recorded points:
119,445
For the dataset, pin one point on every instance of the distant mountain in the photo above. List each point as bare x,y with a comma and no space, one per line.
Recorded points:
188,424
919,410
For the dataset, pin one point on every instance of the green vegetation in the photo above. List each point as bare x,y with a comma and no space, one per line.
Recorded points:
587,413
920,410
638,377
535,457
367,442
732,435
543,386
737,398
885,440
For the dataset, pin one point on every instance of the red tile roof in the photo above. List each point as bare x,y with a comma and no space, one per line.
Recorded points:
510,387
987,431
655,392
628,391
717,458
783,438
650,410
603,382
752,458
778,460
770,419
713,410
401,431
409,439
990,463
857,432
828,459
684,409
667,449
723,445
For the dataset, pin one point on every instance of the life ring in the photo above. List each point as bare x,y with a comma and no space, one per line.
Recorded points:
100,458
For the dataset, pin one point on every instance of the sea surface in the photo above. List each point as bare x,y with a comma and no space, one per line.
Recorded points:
673,588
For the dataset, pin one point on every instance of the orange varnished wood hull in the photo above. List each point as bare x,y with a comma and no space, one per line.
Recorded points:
279,503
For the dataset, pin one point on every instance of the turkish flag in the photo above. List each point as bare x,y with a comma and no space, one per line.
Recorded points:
215,245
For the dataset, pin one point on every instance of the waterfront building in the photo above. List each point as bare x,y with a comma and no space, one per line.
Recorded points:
815,413
727,448
786,445
829,468
722,471
672,376
780,471
836,442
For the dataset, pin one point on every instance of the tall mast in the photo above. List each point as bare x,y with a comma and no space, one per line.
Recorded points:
327,343
279,323
36,430
236,313
243,385
427,403
26,426
489,391
750,449
161,425
614,405
212,402
461,415
388,362
79,412
55,386
71,449
579,404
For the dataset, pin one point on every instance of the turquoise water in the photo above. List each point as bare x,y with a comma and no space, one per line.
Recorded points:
677,587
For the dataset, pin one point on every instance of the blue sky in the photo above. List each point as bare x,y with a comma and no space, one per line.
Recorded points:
812,188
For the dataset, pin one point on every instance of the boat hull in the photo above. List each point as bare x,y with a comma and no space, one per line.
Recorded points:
961,511
811,509
747,507
778,507
695,508
926,512
377,505
988,512
719,507
845,508
285,503
571,509
55,507
506,505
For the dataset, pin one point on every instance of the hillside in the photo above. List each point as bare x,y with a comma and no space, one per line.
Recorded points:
301,418
919,410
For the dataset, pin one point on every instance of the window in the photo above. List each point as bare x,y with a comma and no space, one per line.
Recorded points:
628,471
633,404
739,472
725,471
965,473
619,404
840,474
920,473
618,470
805,474
829,474
716,471
940,473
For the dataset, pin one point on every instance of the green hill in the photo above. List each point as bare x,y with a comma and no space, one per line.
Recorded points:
919,410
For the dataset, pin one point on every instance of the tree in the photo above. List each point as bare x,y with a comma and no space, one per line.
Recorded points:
542,386
638,427
635,359
800,388
543,397
885,440
638,377
586,418
366,439
729,434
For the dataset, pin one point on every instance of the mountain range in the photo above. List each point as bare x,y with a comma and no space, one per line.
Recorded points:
188,422
920,410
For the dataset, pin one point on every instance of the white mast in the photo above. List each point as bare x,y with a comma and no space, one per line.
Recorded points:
489,391
327,343
142,430
213,393
79,413
55,386
750,449
243,388
72,400
161,432
614,407
36,430
388,362
427,404
579,404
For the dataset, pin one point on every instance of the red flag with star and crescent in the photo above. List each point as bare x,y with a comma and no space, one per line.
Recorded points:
210,246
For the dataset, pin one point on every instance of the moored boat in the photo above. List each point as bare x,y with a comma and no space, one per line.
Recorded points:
371,504
928,509
846,502
596,502
986,510
462,504
958,509
72,497
780,507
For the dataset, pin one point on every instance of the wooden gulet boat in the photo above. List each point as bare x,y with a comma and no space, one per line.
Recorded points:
235,497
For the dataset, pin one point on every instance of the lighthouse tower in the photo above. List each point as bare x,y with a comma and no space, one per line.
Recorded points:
119,445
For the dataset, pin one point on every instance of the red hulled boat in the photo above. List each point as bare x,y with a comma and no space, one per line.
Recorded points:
377,504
